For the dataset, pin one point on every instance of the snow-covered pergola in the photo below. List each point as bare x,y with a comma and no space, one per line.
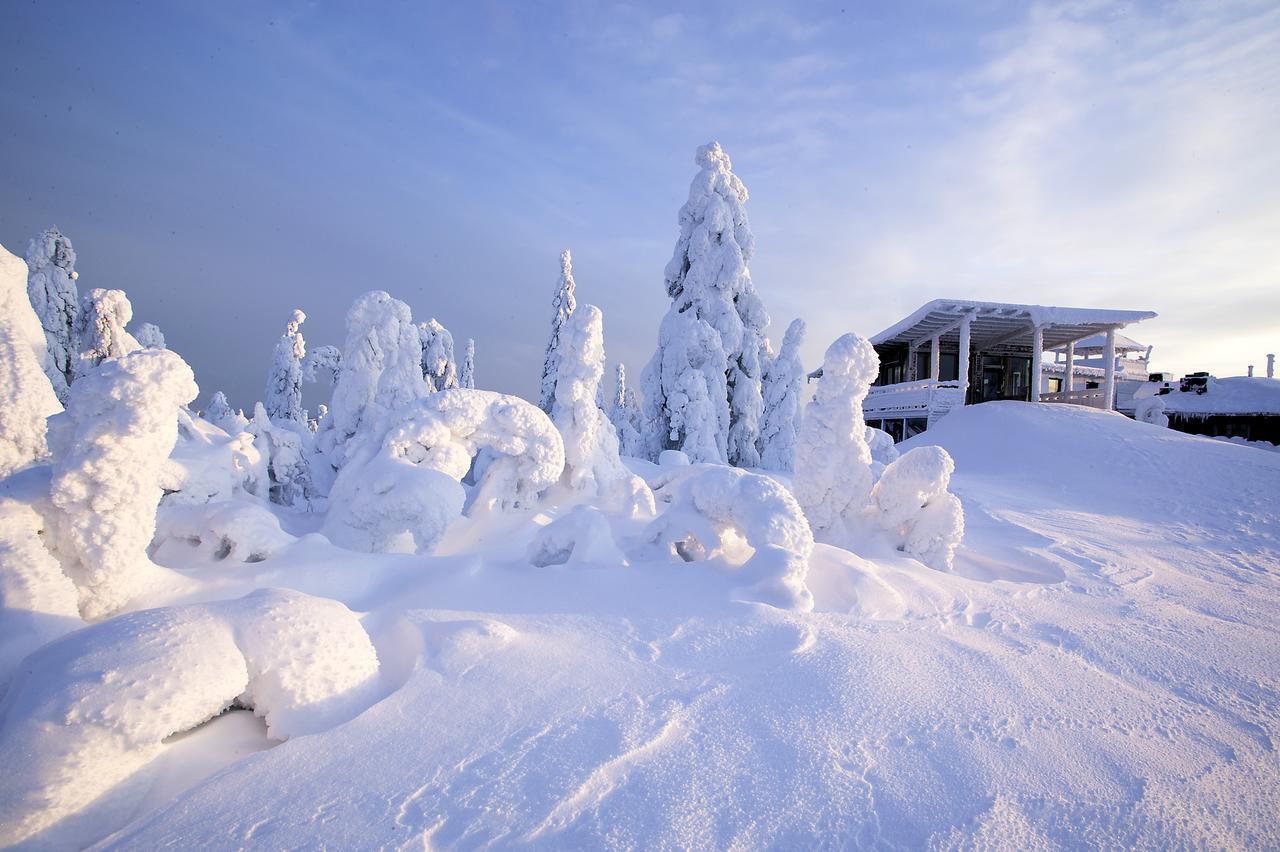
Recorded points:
991,328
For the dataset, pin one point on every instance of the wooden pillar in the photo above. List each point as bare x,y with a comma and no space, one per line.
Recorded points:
1037,363
1109,372
909,375
962,367
1068,377
935,358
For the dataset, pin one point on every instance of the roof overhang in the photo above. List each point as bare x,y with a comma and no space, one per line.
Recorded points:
993,325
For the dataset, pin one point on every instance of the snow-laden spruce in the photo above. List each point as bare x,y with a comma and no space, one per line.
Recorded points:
562,305
209,464
833,462
913,504
713,508
438,364
149,336
110,451
91,709
286,445
220,413
783,384
283,400
402,486
100,329
467,372
592,464
709,283
25,390
624,411
381,370
51,288
322,363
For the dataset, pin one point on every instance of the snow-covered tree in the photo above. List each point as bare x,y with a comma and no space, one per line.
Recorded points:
783,384
438,365
833,462
591,457
624,411
286,447
709,282
51,287
284,379
110,451
562,307
26,394
322,362
220,413
467,375
100,328
149,336
912,503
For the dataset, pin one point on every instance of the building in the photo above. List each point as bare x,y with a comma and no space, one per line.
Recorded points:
1132,368
1245,407
952,352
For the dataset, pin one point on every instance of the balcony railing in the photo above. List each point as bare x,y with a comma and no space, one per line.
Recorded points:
1092,397
926,398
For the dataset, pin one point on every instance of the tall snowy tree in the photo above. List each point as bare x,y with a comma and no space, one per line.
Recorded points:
51,287
100,329
625,414
438,364
467,375
783,384
710,286
284,379
149,336
27,397
562,307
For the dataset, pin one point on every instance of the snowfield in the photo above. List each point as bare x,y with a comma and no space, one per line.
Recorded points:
1099,669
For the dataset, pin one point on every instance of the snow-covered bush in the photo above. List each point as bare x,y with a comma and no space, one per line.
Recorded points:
912,503
467,373
284,380
286,446
438,365
149,336
883,449
708,281
401,490
208,464
221,414
1149,407
591,462
783,384
833,462
110,451
381,370
26,394
562,305
51,289
580,537
238,530
91,709
714,507
100,328
625,413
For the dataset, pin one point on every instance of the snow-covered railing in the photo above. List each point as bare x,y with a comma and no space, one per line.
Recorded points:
1092,397
925,398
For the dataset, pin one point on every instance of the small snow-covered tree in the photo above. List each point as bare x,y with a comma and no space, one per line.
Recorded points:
322,362
284,379
783,384
438,365
912,503
51,287
110,451
149,336
218,409
100,328
286,447
562,307
833,462
467,375
26,394
625,414
685,397
708,280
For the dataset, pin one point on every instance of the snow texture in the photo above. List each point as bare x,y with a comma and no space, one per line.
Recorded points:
708,280
581,537
283,399
783,385
833,462
712,507
592,464
913,504
51,288
562,306
26,395
467,373
438,364
149,336
91,709
110,450
400,492
100,329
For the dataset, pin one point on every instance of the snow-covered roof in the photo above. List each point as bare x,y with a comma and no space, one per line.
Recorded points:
1232,395
1099,342
997,324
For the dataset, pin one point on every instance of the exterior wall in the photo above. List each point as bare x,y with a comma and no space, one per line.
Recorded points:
1252,427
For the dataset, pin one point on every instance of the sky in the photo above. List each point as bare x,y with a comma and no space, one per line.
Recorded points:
224,163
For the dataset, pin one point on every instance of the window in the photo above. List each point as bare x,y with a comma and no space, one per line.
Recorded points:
1055,385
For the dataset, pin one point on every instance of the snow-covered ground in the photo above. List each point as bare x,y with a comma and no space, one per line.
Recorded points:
1099,669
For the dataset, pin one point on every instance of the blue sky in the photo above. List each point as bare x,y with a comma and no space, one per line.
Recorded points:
224,163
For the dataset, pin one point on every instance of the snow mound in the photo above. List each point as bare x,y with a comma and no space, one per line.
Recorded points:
85,713
399,493
714,510
25,391
912,503
238,530
208,464
580,537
